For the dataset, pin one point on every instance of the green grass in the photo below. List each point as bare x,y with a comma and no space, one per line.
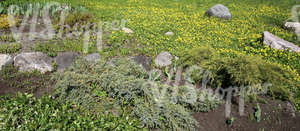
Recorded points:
10,48
53,47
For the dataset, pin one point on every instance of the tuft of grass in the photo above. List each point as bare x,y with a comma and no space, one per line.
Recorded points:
7,38
10,48
257,113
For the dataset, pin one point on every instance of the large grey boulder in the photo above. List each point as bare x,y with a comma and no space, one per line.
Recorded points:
33,61
144,61
277,43
65,59
5,60
95,57
163,59
219,11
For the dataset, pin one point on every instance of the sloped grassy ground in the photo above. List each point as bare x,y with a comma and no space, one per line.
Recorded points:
237,49
241,36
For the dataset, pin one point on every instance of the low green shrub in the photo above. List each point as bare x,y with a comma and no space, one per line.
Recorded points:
126,84
243,70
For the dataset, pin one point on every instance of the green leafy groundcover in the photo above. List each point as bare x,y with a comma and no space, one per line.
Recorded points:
24,112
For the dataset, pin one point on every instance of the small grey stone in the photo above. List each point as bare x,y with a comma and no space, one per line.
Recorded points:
292,25
127,30
163,59
169,34
95,57
291,109
176,58
33,61
144,61
5,60
219,11
65,59
277,43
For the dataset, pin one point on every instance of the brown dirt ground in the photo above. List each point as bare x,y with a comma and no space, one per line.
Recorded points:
276,116
12,82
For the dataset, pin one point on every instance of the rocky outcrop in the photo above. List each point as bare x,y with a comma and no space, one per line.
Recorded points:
277,43
33,61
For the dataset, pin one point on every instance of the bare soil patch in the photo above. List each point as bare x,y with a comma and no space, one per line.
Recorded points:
12,82
275,116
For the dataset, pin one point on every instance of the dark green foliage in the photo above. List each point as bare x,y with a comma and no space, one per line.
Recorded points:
242,70
24,112
126,84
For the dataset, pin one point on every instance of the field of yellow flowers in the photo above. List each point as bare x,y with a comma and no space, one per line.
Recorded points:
243,34
151,19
